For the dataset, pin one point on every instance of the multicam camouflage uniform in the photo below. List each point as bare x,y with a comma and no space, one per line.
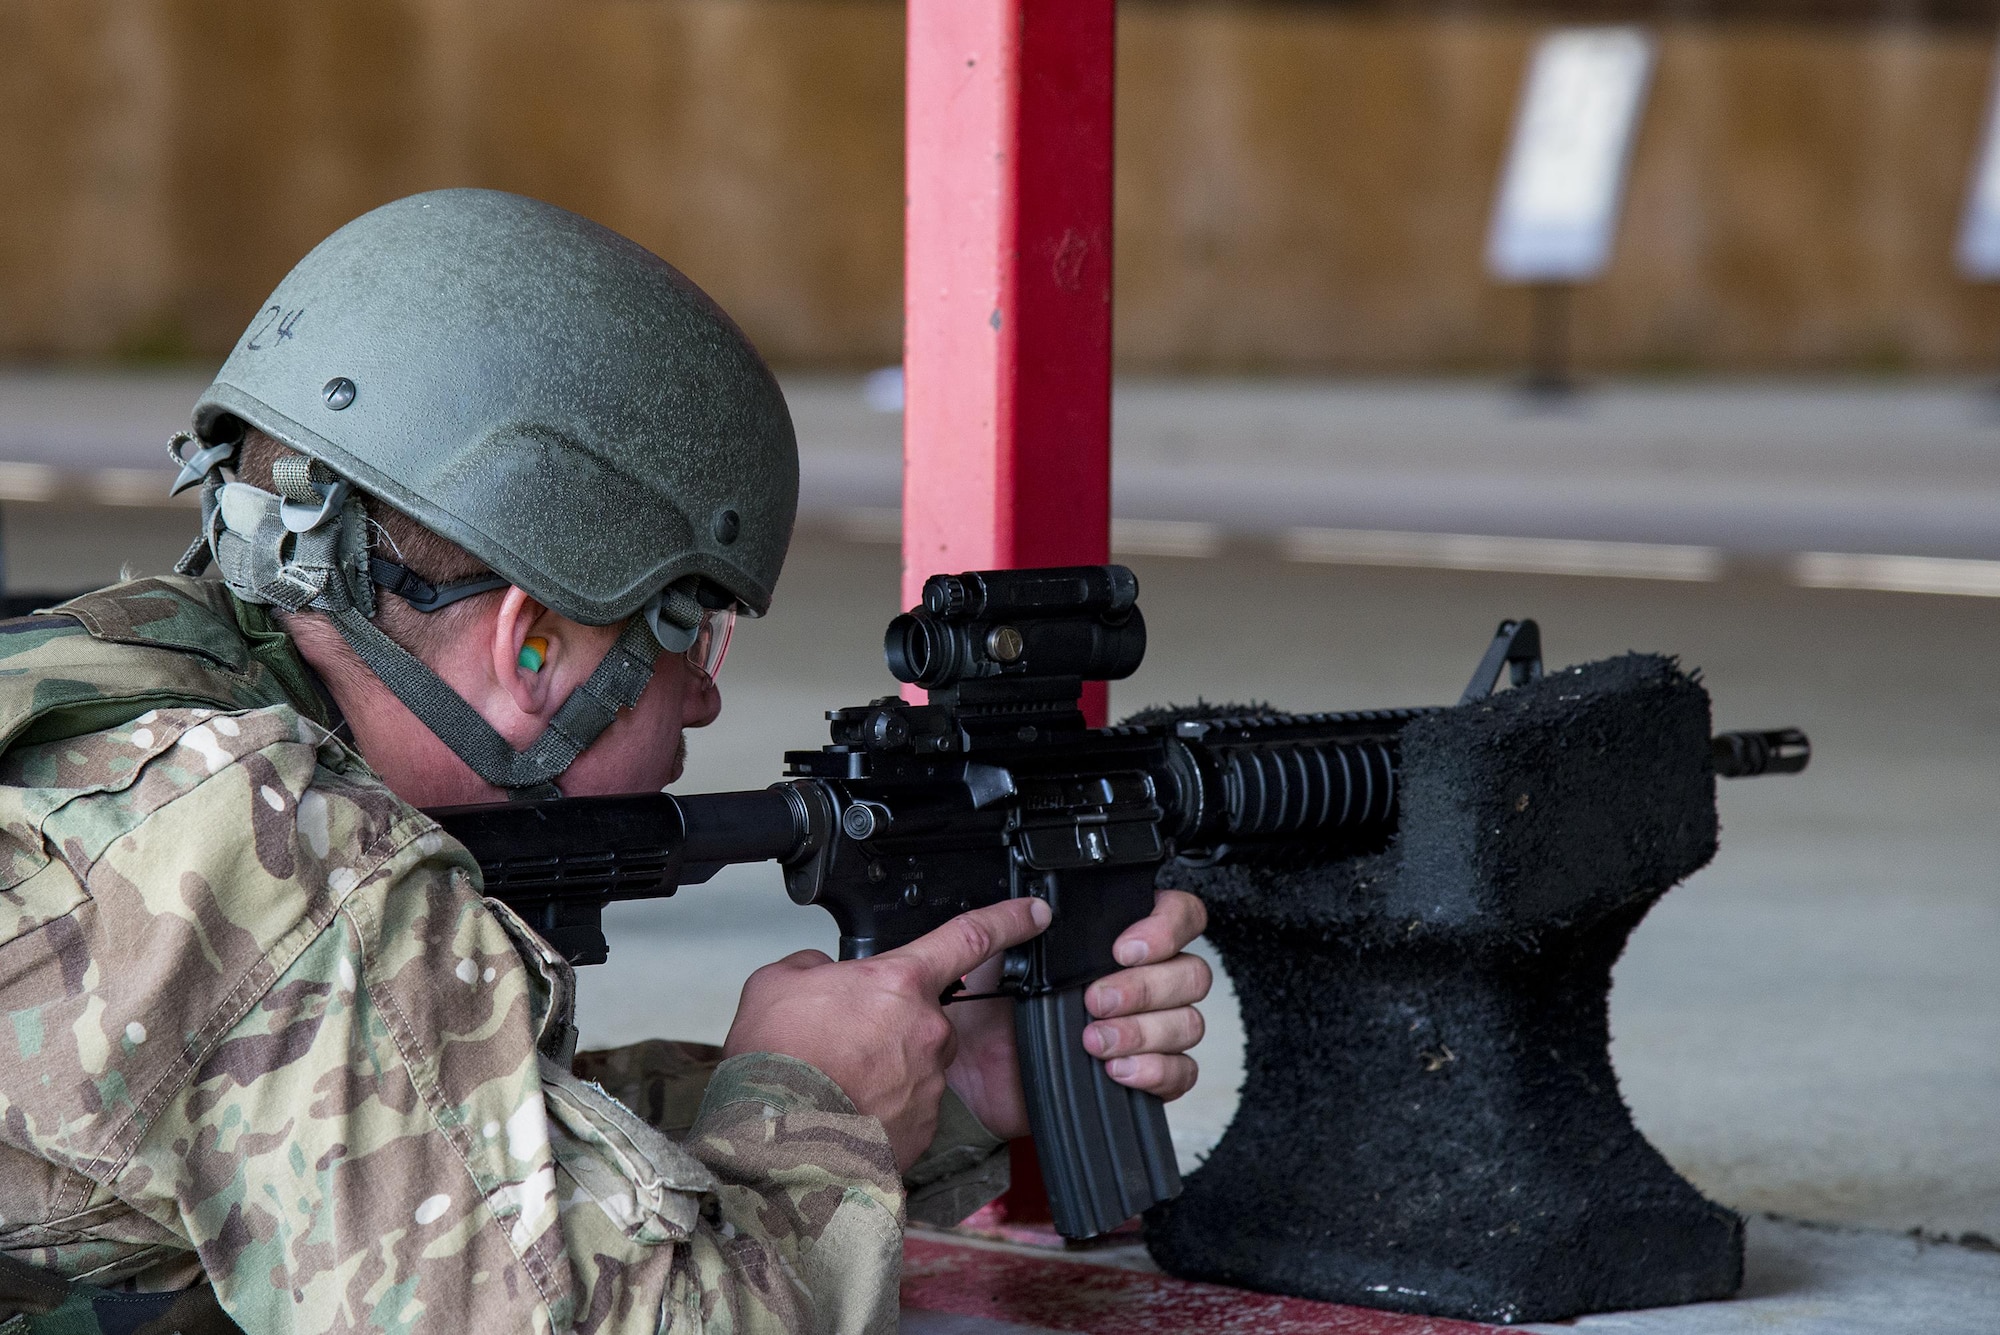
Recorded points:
260,1026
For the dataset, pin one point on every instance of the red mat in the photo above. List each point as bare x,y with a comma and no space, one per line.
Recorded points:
1062,1292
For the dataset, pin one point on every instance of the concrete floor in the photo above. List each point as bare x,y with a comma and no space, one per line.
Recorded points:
1831,1281
1810,1027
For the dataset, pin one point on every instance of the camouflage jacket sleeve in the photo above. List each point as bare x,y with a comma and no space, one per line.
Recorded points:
664,1082
261,1014
965,1167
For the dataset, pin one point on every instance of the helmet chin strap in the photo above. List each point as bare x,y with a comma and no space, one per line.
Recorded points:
616,684
305,549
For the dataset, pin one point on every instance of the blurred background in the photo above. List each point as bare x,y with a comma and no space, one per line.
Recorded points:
1778,455
1302,187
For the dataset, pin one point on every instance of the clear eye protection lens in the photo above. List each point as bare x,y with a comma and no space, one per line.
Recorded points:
711,641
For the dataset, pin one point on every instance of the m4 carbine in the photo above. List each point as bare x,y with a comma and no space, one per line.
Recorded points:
996,789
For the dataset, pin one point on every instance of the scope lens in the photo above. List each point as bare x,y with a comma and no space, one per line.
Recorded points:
913,648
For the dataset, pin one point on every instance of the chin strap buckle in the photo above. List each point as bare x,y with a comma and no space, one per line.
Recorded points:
305,517
312,492
674,614
196,467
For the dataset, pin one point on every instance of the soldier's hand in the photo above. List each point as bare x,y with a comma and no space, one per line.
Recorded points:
874,1026
1144,1019
1144,1016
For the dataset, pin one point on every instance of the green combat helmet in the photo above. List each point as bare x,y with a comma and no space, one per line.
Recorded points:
553,398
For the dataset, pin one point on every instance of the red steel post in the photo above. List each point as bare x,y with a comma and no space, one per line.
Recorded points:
1007,288
1007,305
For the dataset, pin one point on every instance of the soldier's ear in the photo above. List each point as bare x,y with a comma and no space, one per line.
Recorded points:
526,643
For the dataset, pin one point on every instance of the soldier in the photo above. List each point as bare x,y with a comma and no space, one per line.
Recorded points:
501,481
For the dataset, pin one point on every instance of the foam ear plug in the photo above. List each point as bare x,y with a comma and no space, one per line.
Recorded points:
534,653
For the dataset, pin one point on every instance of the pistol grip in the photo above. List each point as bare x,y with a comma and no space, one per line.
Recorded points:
1105,1151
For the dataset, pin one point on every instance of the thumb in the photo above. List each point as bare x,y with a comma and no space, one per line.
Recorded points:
963,944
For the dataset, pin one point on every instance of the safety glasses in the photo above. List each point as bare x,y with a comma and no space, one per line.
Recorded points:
711,641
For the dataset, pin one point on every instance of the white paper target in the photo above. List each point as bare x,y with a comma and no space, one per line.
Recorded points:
1979,233
1564,181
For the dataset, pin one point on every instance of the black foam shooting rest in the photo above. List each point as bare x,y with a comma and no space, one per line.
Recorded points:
1430,1121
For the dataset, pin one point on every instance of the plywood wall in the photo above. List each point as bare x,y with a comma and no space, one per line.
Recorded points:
1303,187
